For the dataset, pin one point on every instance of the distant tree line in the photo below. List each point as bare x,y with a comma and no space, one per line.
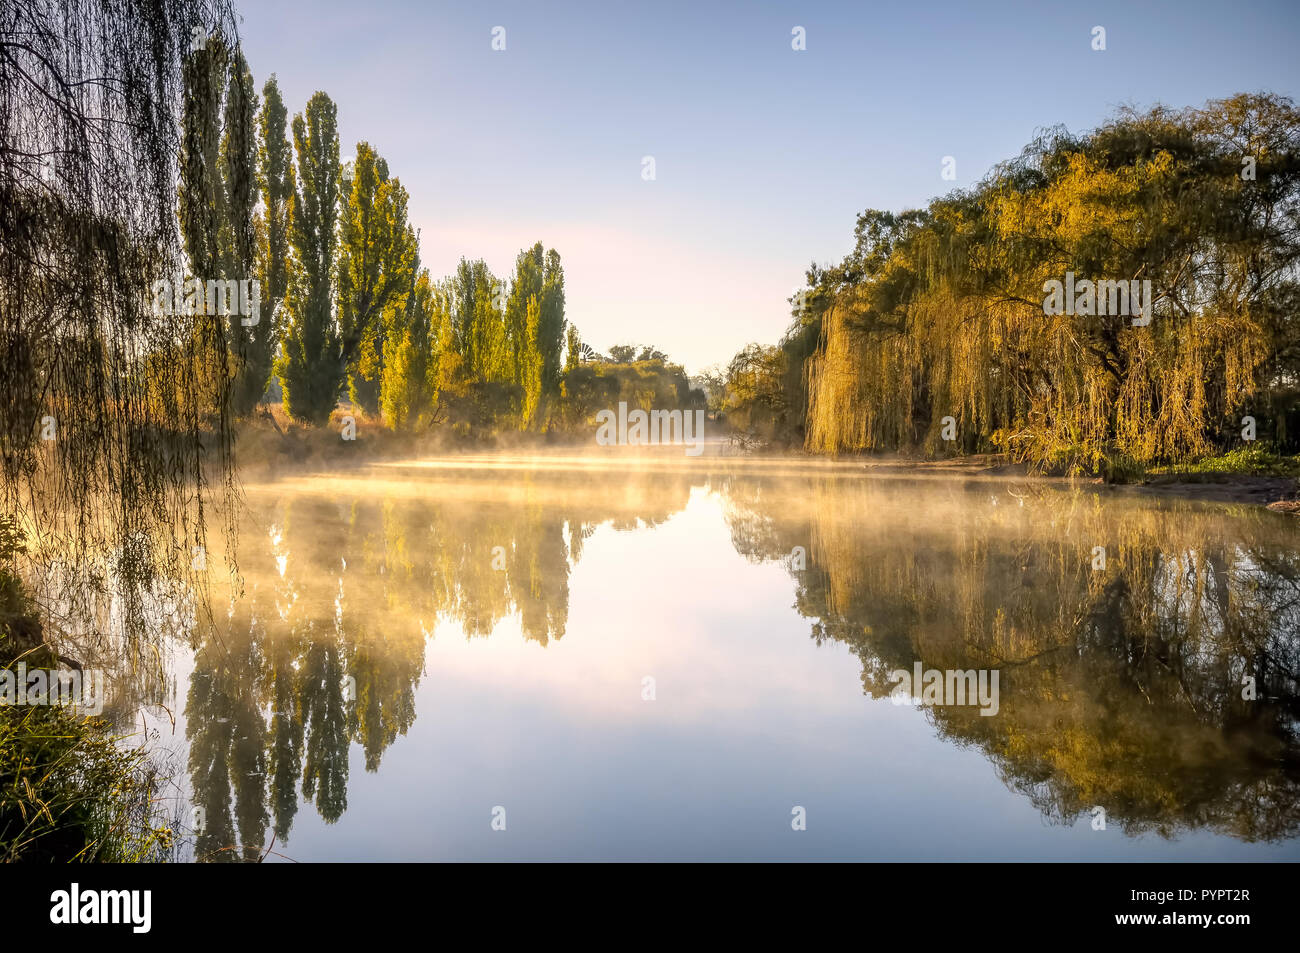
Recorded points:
346,309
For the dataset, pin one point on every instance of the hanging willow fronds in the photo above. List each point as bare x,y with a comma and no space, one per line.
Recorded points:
939,313
114,438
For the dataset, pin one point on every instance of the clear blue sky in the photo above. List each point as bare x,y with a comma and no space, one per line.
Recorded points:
764,155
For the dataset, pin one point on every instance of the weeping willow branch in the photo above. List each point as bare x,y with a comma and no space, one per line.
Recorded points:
114,440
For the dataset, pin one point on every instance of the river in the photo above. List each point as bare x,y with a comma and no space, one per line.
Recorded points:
502,657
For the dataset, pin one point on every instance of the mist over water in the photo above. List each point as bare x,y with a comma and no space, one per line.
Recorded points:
656,657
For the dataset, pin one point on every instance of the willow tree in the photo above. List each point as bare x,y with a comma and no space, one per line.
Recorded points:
754,395
110,473
309,366
934,333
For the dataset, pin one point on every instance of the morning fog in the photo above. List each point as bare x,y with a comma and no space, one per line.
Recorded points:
642,428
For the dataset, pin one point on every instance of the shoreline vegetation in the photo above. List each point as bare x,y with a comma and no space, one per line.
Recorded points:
936,334
72,788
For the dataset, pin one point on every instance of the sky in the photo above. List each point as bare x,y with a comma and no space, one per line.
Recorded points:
763,155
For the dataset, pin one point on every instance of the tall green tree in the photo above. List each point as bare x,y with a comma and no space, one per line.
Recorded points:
250,344
536,340
445,374
531,411
238,165
377,253
201,191
310,365
217,199
572,349
525,285
275,180
408,396
479,323
550,326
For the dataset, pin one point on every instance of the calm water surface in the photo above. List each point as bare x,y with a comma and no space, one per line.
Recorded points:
663,660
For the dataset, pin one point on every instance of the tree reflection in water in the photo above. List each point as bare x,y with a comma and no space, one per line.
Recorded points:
1121,687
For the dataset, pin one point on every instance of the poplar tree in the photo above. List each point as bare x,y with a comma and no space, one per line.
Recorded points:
536,341
407,395
377,253
217,197
479,324
275,181
572,349
525,285
532,382
250,345
310,365
201,191
550,327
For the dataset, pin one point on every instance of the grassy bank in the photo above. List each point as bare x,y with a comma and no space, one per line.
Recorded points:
70,790
1246,461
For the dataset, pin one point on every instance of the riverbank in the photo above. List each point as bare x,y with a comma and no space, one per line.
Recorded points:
271,444
1276,490
71,789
